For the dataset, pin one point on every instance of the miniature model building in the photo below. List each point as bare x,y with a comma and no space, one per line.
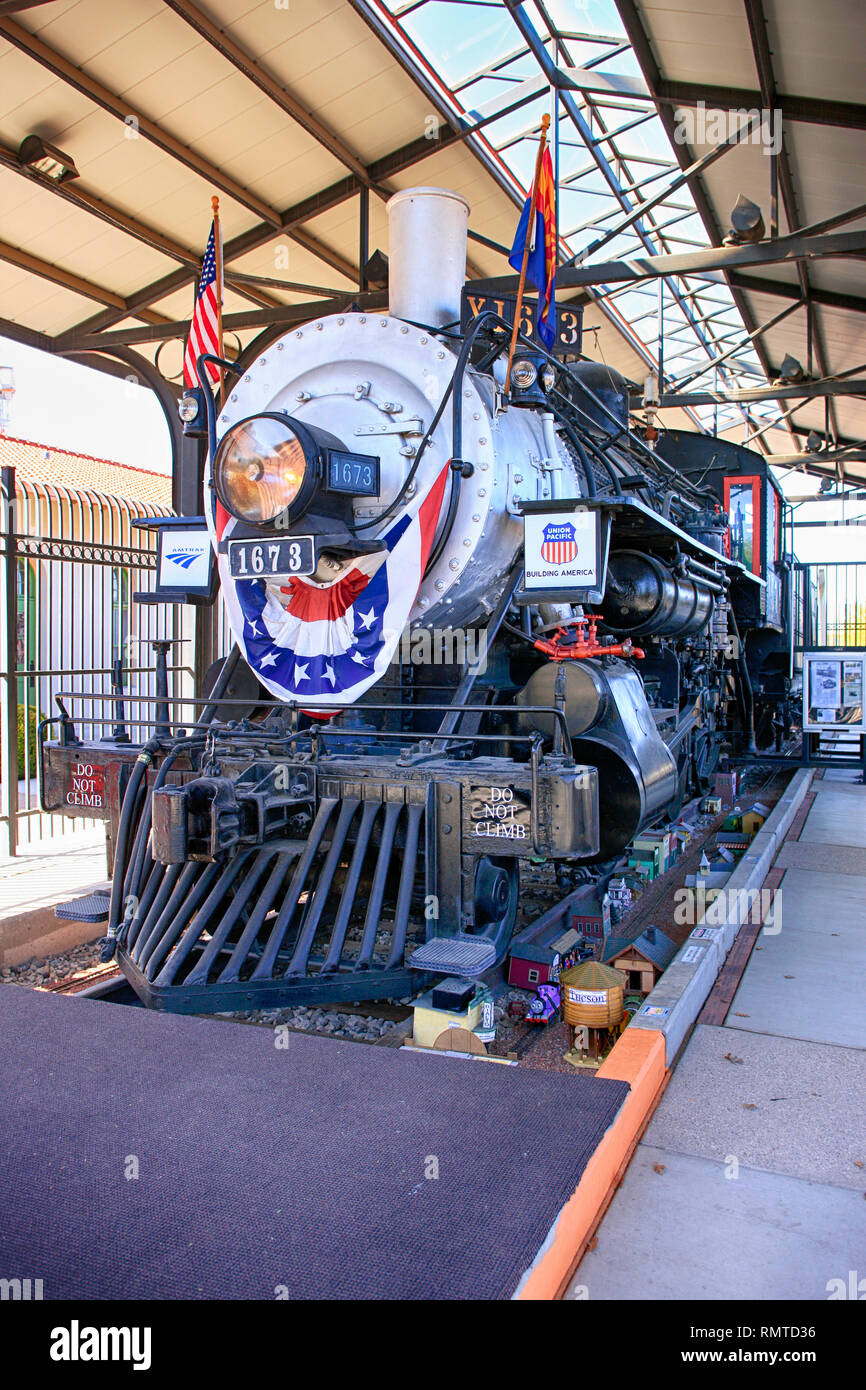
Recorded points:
683,837
645,861
593,919
642,960
752,820
531,965
455,1015
620,897
733,840
660,840
725,786
746,822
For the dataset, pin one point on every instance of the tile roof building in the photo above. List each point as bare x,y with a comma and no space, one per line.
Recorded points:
53,466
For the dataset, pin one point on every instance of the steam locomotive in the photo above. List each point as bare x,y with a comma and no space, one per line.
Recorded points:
480,621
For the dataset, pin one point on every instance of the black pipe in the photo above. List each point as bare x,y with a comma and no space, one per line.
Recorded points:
599,454
204,382
470,675
222,680
130,798
452,391
140,844
457,463
746,681
140,766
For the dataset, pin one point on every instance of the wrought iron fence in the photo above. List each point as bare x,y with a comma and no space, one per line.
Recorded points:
71,563
829,605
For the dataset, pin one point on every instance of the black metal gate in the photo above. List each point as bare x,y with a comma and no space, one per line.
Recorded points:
71,561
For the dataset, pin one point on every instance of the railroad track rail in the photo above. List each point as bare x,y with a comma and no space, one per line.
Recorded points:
105,977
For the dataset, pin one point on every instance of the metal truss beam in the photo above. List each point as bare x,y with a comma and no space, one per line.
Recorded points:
811,110
807,390
781,171
72,192
413,64
646,59
255,71
784,289
64,279
287,314
260,234
786,249
661,196
592,143
643,223
14,6
110,102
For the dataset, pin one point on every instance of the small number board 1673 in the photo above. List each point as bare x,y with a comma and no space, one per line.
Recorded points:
266,559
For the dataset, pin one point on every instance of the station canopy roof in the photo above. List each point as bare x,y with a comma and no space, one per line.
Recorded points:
298,113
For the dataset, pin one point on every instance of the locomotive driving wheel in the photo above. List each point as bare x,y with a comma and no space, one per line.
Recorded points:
495,897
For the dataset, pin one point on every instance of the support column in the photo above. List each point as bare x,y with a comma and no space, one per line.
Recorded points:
8,664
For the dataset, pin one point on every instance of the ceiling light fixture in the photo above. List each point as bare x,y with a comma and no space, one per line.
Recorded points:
46,159
747,223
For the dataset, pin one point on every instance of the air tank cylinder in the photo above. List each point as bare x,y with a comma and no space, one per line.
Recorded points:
426,254
643,595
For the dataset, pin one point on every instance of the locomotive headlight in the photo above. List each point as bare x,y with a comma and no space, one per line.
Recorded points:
187,408
523,374
260,468
192,411
548,377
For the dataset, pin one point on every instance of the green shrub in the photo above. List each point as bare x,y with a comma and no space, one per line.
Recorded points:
32,722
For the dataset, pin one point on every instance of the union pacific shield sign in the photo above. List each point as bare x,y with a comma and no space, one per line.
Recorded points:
558,546
560,550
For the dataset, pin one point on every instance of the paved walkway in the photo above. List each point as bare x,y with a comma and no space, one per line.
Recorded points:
750,1180
52,871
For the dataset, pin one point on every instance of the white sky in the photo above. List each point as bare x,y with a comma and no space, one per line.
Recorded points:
74,407
814,543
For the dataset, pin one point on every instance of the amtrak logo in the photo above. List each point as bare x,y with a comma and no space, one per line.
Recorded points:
558,545
184,558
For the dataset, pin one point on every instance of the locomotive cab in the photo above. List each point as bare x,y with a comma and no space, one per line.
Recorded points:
762,591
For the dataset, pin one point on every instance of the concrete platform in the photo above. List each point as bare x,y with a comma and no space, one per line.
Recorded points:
837,816
157,1156
689,1233
822,859
35,881
808,981
763,1125
785,1106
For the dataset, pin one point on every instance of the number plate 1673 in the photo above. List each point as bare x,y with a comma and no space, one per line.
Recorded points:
270,558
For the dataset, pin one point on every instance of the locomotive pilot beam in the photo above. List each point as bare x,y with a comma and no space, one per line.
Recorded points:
354,823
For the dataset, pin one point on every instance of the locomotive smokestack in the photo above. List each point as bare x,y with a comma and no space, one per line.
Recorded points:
427,254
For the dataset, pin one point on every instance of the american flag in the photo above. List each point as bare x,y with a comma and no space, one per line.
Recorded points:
204,328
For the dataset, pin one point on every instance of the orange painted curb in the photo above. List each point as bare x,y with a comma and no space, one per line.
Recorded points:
638,1058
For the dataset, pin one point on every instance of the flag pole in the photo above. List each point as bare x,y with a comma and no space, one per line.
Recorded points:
530,227
218,253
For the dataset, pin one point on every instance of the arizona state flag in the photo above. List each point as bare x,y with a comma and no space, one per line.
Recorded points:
541,265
